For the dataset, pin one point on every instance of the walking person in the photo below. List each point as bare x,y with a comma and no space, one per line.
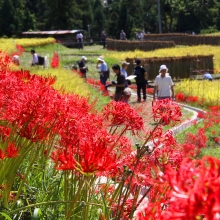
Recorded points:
103,70
122,35
79,38
82,66
103,39
119,84
163,85
141,80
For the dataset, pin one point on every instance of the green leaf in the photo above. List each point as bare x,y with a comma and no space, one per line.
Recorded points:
105,207
5,215
37,214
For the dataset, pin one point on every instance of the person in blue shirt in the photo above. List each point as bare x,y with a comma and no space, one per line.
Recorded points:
124,72
102,69
208,76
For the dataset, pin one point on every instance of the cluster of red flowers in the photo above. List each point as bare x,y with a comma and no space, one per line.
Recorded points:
165,111
191,192
10,151
55,62
180,97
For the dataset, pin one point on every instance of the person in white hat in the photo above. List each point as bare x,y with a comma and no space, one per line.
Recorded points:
16,59
124,67
82,66
163,85
103,70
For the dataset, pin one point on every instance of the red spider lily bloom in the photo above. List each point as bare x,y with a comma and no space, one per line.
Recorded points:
191,192
180,97
2,156
55,60
201,115
166,111
4,133
195,189
192,99
92,157
11,151
20,48
194,143
119,113
150,91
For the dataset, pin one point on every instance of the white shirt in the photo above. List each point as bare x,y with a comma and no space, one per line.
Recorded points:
35,59
79,36
164,84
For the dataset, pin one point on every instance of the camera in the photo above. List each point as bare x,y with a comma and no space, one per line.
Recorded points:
108,85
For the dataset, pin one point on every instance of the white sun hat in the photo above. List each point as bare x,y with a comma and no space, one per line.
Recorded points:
101,58
84,58
163,67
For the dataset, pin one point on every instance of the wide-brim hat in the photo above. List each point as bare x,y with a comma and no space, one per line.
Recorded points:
101,58
84,58
163,67
125,63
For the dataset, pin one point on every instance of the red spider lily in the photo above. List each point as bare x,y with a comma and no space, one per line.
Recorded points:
166,111
150,91
194,143
180,97
93,157
55,60
119,113
195,189
10,152
4,133
212,117
2,156
201,115
5,62
191,192
20,48
192,99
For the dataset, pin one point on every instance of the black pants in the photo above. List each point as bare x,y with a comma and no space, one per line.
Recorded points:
104,43
142,87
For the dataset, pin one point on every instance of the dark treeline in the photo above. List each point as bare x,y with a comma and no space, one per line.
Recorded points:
109,15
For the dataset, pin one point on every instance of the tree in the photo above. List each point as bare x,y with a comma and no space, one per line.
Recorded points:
62,15
99,20
7,18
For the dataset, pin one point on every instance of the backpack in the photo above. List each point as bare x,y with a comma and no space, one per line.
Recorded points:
106,73
139,76
40,60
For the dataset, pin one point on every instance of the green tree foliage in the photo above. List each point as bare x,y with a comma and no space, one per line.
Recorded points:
109,15
99,19
7,19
